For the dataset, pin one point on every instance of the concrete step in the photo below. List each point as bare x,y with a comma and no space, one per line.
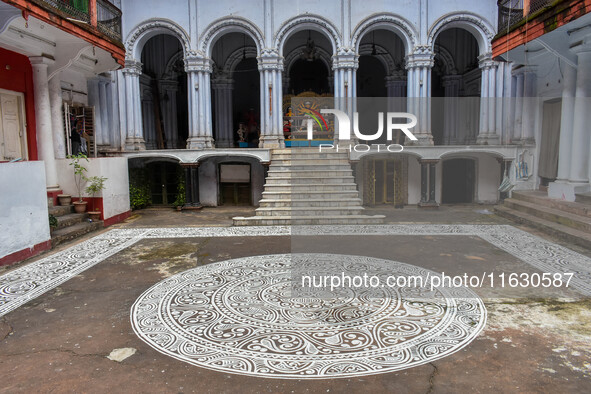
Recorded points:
308,211
307,220
311,202
566,233
309,194
71,232
540,198
310,155
61,210
313,162
583,198
311,173
578,222
309,167
304,187
320,180
70,219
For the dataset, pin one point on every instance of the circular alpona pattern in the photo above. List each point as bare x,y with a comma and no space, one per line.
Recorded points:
251,316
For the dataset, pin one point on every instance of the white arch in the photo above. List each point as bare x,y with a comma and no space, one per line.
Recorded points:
385,58
233,24
447,58
307,22
140,34
479,27
291,58
387,21
236,57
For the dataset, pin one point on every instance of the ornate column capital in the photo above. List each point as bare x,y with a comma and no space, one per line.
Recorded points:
195,63
345,61
422,56
132,67
485,61
270,60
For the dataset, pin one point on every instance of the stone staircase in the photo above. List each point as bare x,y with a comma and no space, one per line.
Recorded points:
570,221
70,225
306,187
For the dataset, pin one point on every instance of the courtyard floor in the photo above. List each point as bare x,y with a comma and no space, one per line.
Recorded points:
183,302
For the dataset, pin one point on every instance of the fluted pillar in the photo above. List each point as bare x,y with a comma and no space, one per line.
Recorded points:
133,111
344,67
451,84
222,88
57,117
271,69
419,65
198,71
487,134
43,119
581,138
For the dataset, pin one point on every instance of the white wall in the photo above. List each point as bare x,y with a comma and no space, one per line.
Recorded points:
23,206
116,193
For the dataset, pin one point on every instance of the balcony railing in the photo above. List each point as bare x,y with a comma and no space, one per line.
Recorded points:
512,12
108,19
100,14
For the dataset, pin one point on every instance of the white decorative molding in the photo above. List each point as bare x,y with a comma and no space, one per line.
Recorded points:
151,27
307,22
387,21
226,25
482,30
235,58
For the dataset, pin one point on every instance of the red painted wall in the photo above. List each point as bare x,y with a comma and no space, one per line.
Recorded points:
16,74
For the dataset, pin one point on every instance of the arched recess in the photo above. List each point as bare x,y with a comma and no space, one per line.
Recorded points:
293,56
140,34
236,57
163,86
386,21
480,28
458,180
223,26
307,22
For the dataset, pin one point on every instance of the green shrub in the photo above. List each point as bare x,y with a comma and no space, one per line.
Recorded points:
180,191
139,188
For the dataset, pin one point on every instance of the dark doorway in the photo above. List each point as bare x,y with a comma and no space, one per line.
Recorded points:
235,184
309,76
458,181
164,182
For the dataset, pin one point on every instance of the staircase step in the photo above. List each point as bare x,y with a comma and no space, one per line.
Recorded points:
554,215
309,167
307,220
310,202
61,210
70,219
71,232
309,161
317,180
308,211
309,194
566,233
314,173
541,198
303,187
583,198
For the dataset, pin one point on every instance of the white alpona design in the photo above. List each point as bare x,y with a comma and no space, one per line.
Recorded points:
243,316
23,284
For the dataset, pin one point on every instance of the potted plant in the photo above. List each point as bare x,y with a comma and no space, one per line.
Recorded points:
97,183
79,179
64,199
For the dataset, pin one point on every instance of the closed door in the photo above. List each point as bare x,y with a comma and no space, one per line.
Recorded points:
384,182
12,135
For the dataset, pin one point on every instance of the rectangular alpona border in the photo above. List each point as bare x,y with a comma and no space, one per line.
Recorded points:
21,285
